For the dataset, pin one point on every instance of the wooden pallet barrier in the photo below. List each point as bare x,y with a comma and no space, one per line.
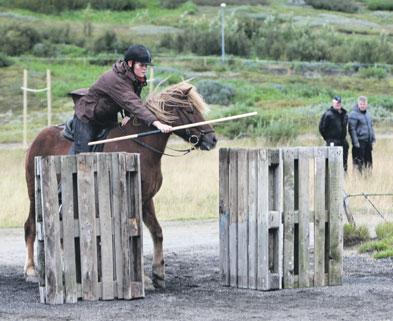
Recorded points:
89,227
281,217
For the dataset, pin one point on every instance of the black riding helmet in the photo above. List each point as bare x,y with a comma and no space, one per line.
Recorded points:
138,53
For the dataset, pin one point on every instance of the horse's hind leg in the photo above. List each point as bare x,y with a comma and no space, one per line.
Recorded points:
30,272
149,218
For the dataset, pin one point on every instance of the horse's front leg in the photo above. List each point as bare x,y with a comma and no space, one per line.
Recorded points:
149,218
30,271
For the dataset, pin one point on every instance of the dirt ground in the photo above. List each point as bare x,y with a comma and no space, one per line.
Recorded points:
193,290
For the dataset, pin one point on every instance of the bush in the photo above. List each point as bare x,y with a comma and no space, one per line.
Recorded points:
5,61
355,235
384,230
171,4
230,2
373,72
117,5
380,5
215,93
45,49
18,39
106,42
334,5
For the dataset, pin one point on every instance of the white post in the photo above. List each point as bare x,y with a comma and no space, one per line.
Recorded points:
25,108
49,96
222,33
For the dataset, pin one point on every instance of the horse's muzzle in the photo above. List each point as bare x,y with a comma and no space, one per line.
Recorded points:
208,141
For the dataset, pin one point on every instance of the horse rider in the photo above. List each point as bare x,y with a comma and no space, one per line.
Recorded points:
115,91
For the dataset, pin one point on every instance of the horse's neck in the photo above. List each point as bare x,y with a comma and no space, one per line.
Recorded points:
157,142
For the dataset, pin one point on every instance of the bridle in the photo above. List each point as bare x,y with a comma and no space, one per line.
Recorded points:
194,140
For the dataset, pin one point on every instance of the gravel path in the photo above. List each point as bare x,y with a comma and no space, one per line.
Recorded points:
193,291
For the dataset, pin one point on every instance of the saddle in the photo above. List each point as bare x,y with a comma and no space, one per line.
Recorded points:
68,130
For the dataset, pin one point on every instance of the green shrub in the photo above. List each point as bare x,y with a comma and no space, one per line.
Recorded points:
334,5
230,2
355,235
384,230
57,6
373,72
117,5
281,130
45,49
107,42
18,39
5,61
171,4
373,246
215,93
380,5
384,254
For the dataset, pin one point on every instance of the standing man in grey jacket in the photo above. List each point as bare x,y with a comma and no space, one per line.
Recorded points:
362,134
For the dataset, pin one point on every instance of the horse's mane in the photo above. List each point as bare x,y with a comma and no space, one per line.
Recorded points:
172,96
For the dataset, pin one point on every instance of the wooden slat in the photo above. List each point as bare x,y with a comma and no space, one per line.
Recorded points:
304,237
67,196
124,228
233,246
105,219
224,215
320,215
262,177
53,259
135,216
289,186
336,178
88,245
251,200
242,181
39,229
116,212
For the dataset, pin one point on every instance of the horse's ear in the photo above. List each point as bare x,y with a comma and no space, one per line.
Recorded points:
187,91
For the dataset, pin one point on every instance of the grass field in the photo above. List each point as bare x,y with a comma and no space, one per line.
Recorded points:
190,189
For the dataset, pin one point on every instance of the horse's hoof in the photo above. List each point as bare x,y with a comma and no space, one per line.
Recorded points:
158,281
148,283
31,275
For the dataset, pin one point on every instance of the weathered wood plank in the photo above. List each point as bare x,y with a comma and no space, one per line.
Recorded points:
262,177
116,216
242,181
87,211
53,259
233,218
224,215
105,219
289,207
67,195
320,215
304,237
251,200
336,178
39,229
136,254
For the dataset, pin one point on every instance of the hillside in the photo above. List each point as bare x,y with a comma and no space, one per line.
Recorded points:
283,58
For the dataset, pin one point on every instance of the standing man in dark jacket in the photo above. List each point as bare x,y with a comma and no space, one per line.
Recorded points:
362,135
333,127
115,91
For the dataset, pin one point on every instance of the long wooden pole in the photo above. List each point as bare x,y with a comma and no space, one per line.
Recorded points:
49,96
219,120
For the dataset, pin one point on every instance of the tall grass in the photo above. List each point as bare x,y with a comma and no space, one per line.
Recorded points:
190,188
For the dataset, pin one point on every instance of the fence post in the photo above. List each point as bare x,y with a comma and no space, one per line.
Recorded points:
49,96
24,108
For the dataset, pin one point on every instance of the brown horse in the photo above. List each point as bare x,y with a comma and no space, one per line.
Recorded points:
177,105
